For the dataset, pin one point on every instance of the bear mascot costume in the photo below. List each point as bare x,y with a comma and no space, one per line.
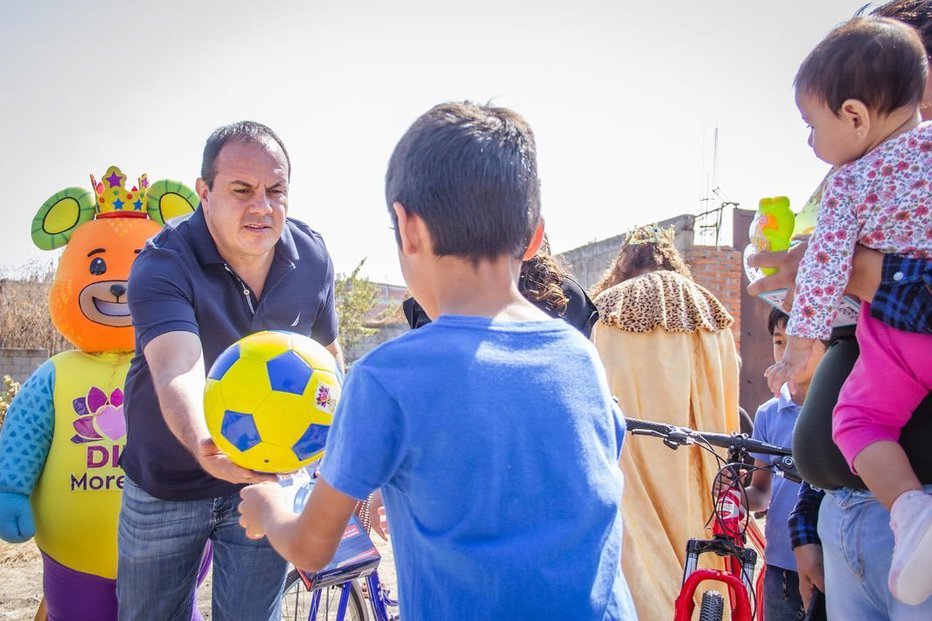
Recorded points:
60,479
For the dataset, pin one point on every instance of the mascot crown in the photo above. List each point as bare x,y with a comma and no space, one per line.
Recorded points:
113,199
67,209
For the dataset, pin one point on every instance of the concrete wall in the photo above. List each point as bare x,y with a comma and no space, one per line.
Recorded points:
20,363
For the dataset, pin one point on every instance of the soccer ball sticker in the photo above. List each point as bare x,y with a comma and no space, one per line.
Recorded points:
269,401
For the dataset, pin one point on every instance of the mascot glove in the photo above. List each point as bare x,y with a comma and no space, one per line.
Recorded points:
16,524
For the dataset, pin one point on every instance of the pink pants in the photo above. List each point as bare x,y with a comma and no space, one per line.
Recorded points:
890,378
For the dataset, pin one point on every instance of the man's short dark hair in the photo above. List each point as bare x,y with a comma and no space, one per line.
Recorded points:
776,318
248,132
470,172
916,13
878,61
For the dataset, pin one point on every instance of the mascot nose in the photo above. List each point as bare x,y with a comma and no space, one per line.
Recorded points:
118,290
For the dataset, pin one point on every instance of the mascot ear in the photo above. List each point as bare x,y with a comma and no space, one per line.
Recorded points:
168,199
60,215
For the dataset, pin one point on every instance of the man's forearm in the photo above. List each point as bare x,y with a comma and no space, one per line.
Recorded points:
337,351
183,410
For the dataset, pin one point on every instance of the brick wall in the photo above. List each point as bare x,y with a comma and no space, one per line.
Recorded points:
20,363
719,270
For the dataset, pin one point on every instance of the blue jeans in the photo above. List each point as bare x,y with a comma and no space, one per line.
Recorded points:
782,601
857,544
160,545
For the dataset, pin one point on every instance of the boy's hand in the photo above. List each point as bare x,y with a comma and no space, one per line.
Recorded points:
795,359
259,502
811,571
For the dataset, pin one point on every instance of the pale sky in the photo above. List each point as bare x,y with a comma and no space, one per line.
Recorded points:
622,96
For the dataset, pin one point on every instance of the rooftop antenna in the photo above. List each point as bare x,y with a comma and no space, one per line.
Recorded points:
709,222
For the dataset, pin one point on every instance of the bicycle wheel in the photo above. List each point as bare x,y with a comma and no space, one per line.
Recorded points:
296,602
712,607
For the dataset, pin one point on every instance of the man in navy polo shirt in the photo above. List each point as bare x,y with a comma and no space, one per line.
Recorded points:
236,266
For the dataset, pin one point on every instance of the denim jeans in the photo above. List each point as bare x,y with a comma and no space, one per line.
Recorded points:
782,601
160,545
857,544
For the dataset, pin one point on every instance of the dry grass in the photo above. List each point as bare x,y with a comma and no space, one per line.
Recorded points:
24,310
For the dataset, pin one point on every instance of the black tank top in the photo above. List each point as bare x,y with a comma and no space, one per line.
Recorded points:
818,459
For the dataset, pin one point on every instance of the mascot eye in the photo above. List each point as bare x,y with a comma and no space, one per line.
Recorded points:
98,267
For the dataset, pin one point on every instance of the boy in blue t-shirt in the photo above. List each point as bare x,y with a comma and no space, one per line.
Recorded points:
774,423
491,432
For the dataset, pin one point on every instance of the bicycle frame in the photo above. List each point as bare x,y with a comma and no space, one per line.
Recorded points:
379,601
727,542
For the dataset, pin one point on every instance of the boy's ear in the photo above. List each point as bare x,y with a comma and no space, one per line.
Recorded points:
536,240
410,229
856,113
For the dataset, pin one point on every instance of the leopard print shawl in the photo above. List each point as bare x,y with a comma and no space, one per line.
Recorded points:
661,299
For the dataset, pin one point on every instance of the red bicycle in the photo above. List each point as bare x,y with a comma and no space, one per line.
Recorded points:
731,524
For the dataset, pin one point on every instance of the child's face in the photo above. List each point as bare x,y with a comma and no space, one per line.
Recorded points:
779,341
832,138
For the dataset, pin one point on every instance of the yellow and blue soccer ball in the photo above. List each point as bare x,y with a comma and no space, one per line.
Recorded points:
269,400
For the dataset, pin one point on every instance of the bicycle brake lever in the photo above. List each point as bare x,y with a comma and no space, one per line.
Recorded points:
786,467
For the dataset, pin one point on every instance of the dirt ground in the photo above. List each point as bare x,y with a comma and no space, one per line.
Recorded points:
21,580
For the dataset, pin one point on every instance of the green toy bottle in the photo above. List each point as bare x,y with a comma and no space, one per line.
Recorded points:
772,227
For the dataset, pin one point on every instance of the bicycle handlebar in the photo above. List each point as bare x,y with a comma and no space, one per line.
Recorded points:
685,435
675,437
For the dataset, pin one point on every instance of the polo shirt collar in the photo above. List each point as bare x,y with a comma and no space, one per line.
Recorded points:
785,400
205,249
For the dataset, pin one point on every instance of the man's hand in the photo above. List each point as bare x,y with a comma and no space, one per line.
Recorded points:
811,571
258,504
219,466
787,264
795,359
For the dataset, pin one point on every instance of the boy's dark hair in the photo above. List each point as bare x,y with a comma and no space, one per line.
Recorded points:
775,318
470,172
916,13
878,61
248,132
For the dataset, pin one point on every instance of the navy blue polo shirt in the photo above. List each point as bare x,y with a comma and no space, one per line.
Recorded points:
180,282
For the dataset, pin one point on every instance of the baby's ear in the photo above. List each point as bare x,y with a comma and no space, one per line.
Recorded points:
60,215
167,199
857,115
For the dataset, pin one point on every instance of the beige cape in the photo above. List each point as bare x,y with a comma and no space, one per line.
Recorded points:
670,356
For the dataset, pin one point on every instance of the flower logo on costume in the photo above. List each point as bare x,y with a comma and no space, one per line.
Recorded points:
99,416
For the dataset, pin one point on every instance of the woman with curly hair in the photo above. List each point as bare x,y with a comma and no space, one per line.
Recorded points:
670,356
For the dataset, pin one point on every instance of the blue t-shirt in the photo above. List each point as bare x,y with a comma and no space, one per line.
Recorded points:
180,282
774,423
496,447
